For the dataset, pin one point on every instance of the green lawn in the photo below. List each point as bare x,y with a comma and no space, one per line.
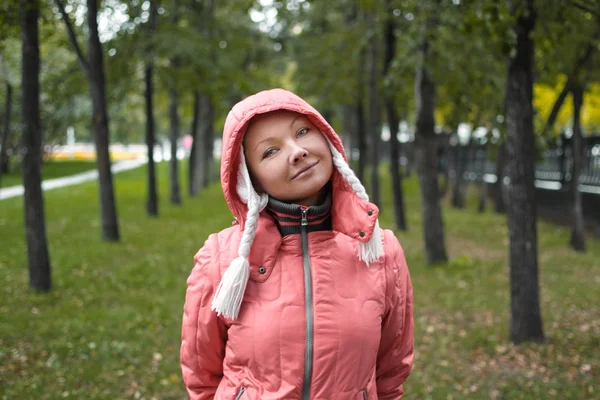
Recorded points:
50,170
111,327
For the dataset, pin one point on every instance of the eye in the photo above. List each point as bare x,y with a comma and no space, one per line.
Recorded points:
302,132
269,153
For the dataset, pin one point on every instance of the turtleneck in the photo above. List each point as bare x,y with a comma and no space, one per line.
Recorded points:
288,217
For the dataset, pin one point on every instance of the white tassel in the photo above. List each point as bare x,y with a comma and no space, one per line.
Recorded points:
230,292
370,251
373,249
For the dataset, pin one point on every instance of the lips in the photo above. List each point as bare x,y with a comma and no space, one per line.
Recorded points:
303,170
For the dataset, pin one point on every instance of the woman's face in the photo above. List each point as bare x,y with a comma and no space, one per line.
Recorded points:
288,157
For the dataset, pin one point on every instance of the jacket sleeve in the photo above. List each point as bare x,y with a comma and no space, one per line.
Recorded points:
395,356
203,334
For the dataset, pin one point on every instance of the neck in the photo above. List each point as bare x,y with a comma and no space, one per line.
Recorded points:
288,217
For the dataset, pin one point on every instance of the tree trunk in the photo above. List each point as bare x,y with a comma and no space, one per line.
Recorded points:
174,187
579,64
100,126
203,144
458,198
444,154
360,114
397,191
427,146
208,116
362,139
392,117
152,199
174,163
31,139
526,322
483,189
374,111
5,132
349,128
195,146
481,158
500,174
577,241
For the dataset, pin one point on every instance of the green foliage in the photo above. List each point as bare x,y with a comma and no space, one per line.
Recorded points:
313,47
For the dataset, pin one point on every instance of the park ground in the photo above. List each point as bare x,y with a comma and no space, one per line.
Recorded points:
110,329
50,170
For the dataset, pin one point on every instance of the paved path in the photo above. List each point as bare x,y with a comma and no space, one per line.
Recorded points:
14,191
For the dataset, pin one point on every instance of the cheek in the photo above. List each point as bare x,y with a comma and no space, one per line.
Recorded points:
270,175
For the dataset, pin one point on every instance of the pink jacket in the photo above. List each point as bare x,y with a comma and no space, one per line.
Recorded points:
360,319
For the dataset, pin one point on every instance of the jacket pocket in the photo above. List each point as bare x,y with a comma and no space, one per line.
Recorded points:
240,393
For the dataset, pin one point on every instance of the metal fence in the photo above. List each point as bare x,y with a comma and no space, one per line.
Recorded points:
553,169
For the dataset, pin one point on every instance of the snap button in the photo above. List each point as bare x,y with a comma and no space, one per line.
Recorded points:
361,234
370,212
262,270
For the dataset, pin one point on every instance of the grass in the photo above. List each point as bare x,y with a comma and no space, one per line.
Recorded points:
50,170
110,329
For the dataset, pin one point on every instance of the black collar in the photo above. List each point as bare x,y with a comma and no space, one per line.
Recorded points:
288,217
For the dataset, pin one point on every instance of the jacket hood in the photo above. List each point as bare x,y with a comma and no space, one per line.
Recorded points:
235,129
351,214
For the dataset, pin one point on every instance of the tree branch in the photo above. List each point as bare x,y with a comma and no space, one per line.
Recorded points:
581,62
65,16
556,107
586,8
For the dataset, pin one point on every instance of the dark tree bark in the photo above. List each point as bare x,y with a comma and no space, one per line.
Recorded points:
152,199
360,113
207,114
445,152
174,163
374,110
94,69
459,156
483,185
4,160
110,227
577,241
31,139
174,187
500,204
203,143
201,168
393,121
427,149
362,137
195,147
350,128
208,119
483,190
579,65
526,322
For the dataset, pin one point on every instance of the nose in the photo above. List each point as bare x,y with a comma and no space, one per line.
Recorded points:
297,154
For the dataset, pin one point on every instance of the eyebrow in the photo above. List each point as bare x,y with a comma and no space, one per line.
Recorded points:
291,126
295,119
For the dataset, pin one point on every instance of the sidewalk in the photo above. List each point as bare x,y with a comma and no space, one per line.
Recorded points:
14,191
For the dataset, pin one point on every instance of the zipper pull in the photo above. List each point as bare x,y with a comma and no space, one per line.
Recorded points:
365,397
304,216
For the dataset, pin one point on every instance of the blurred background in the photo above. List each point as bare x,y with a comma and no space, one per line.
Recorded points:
475,126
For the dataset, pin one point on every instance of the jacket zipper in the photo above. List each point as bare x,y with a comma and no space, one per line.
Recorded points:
240,393
309,309
365,397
